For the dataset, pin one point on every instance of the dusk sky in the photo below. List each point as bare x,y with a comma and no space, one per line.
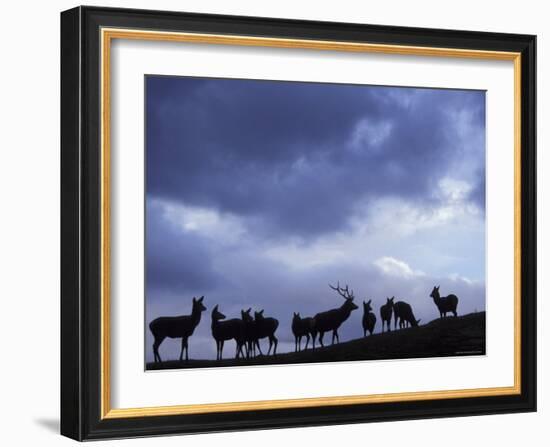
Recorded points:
260,193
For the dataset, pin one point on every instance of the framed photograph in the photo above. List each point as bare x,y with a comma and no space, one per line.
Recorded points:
276,223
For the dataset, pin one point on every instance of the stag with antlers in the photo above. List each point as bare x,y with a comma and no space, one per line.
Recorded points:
331,320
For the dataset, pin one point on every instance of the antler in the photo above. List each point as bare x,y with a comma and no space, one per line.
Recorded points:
345,292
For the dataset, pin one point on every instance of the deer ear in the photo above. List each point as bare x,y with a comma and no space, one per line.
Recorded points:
369,301
215,307
194,299
261,312
201,298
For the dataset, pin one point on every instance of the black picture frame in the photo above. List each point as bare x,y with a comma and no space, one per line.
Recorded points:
81,392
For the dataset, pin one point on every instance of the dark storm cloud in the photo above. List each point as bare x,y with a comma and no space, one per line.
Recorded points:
298,156
175,260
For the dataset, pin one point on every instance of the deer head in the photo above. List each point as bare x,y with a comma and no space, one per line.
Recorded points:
216,314
367,306
245,315
435,293
197,305
259,315
346,294
389,301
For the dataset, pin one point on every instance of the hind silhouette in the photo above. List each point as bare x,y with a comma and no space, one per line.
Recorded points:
266,327
301,327
403,311
177,327
250,334
386,311
369,319
223,330
445,304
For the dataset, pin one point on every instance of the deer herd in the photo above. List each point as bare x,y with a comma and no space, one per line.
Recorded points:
248,330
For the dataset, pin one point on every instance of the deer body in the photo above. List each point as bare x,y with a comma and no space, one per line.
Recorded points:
331,320
444,304
177,327
301,327
386,311
369,319
404,313
266,327
223,330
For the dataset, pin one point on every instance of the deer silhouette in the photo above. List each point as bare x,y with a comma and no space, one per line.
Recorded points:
331,320
404,313
369,319
177,327
266,327
444,304
301,327
223,330
250,334
386,311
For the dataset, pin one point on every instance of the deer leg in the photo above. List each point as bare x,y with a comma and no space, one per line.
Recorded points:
259,348
321,334
276,342
156,346
307,342
221,349
182,348
337,336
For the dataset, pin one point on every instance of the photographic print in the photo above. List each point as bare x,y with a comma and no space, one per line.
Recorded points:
298,222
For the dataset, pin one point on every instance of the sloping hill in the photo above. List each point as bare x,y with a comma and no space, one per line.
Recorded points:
464,335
